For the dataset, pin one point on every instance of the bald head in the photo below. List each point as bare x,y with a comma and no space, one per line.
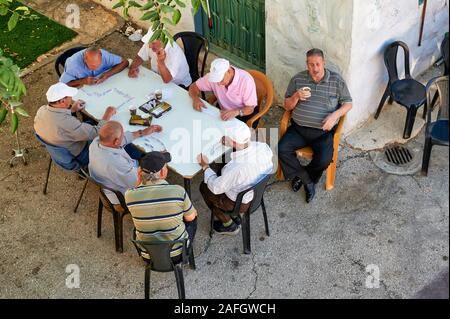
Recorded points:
111,134
93,58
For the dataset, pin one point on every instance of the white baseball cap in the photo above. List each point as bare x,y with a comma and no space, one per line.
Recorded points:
59,91
238,131
218,69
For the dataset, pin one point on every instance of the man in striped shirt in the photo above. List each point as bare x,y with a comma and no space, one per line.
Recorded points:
318,98
160,211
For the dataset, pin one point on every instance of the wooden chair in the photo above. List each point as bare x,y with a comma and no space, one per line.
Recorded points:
264,91
308,153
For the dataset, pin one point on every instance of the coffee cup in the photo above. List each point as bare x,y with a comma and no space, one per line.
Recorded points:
133,110
158,94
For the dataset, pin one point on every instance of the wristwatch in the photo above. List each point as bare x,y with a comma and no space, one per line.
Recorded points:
141,133
241,113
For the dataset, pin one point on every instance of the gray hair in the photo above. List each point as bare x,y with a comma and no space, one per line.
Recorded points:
315,52
150,177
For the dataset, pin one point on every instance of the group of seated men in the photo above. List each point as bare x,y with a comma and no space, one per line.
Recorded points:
317,97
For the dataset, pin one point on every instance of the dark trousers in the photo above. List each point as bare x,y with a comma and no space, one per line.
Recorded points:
298,137
134,152
220,205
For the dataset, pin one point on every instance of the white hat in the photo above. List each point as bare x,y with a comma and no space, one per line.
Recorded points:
238,131
59,91
218,69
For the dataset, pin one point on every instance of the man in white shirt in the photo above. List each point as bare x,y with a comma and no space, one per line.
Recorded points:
249,163
169,62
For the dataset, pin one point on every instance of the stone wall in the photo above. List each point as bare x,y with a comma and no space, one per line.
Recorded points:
376,24
186,23
293,27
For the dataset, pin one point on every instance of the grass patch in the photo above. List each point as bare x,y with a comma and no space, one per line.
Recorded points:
31,38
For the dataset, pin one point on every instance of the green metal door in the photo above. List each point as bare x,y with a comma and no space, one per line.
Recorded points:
238,31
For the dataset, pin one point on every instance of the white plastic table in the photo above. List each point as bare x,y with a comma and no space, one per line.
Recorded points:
186,132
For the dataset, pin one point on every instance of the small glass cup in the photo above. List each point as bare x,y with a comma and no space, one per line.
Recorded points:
158,95
133,110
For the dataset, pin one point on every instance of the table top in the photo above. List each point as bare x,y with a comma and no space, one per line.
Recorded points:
186,132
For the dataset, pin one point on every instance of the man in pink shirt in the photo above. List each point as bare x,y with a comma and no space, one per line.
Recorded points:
234,88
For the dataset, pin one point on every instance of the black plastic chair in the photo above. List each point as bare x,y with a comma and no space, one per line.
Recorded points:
436,133
445,54
103,201
258,201
160,261
407,92
61,60
65,161
193,44
445,57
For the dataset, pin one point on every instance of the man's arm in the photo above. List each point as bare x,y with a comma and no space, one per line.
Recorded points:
134,68
231,114
114,70
84,81
162,67
332,119
194,93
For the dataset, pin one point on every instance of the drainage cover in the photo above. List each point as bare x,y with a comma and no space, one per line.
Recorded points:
398,155
399,159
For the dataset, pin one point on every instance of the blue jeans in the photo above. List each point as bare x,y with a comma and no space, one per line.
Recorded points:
83,157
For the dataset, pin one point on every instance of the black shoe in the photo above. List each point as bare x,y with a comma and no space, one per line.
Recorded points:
296,184
231,230
310,191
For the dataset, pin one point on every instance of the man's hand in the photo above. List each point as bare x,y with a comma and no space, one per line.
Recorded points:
90,80
198,104
133,73
203,161
229,114
102,78
152,129
161,55
303,95
330,121
78,106
110,111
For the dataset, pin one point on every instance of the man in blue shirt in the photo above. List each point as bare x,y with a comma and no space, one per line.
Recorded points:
91,66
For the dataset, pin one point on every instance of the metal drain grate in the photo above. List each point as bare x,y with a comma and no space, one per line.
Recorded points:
399,155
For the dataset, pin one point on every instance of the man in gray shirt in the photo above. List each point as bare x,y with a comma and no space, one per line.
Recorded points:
55,124
109,162
318,98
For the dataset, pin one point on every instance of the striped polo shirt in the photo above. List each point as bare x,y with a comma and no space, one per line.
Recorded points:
326,97
158,209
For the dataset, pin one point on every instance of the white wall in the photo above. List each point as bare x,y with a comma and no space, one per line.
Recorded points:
186,23
376,23
293,27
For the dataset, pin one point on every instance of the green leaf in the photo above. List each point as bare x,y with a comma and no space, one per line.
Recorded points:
155,36
3,10
21,8
195,5
134,4
180,3
168,21
119,4
148,5
176,16
149,15
13,21
125,13
166,9
21,111
155,25
204,5
14,123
